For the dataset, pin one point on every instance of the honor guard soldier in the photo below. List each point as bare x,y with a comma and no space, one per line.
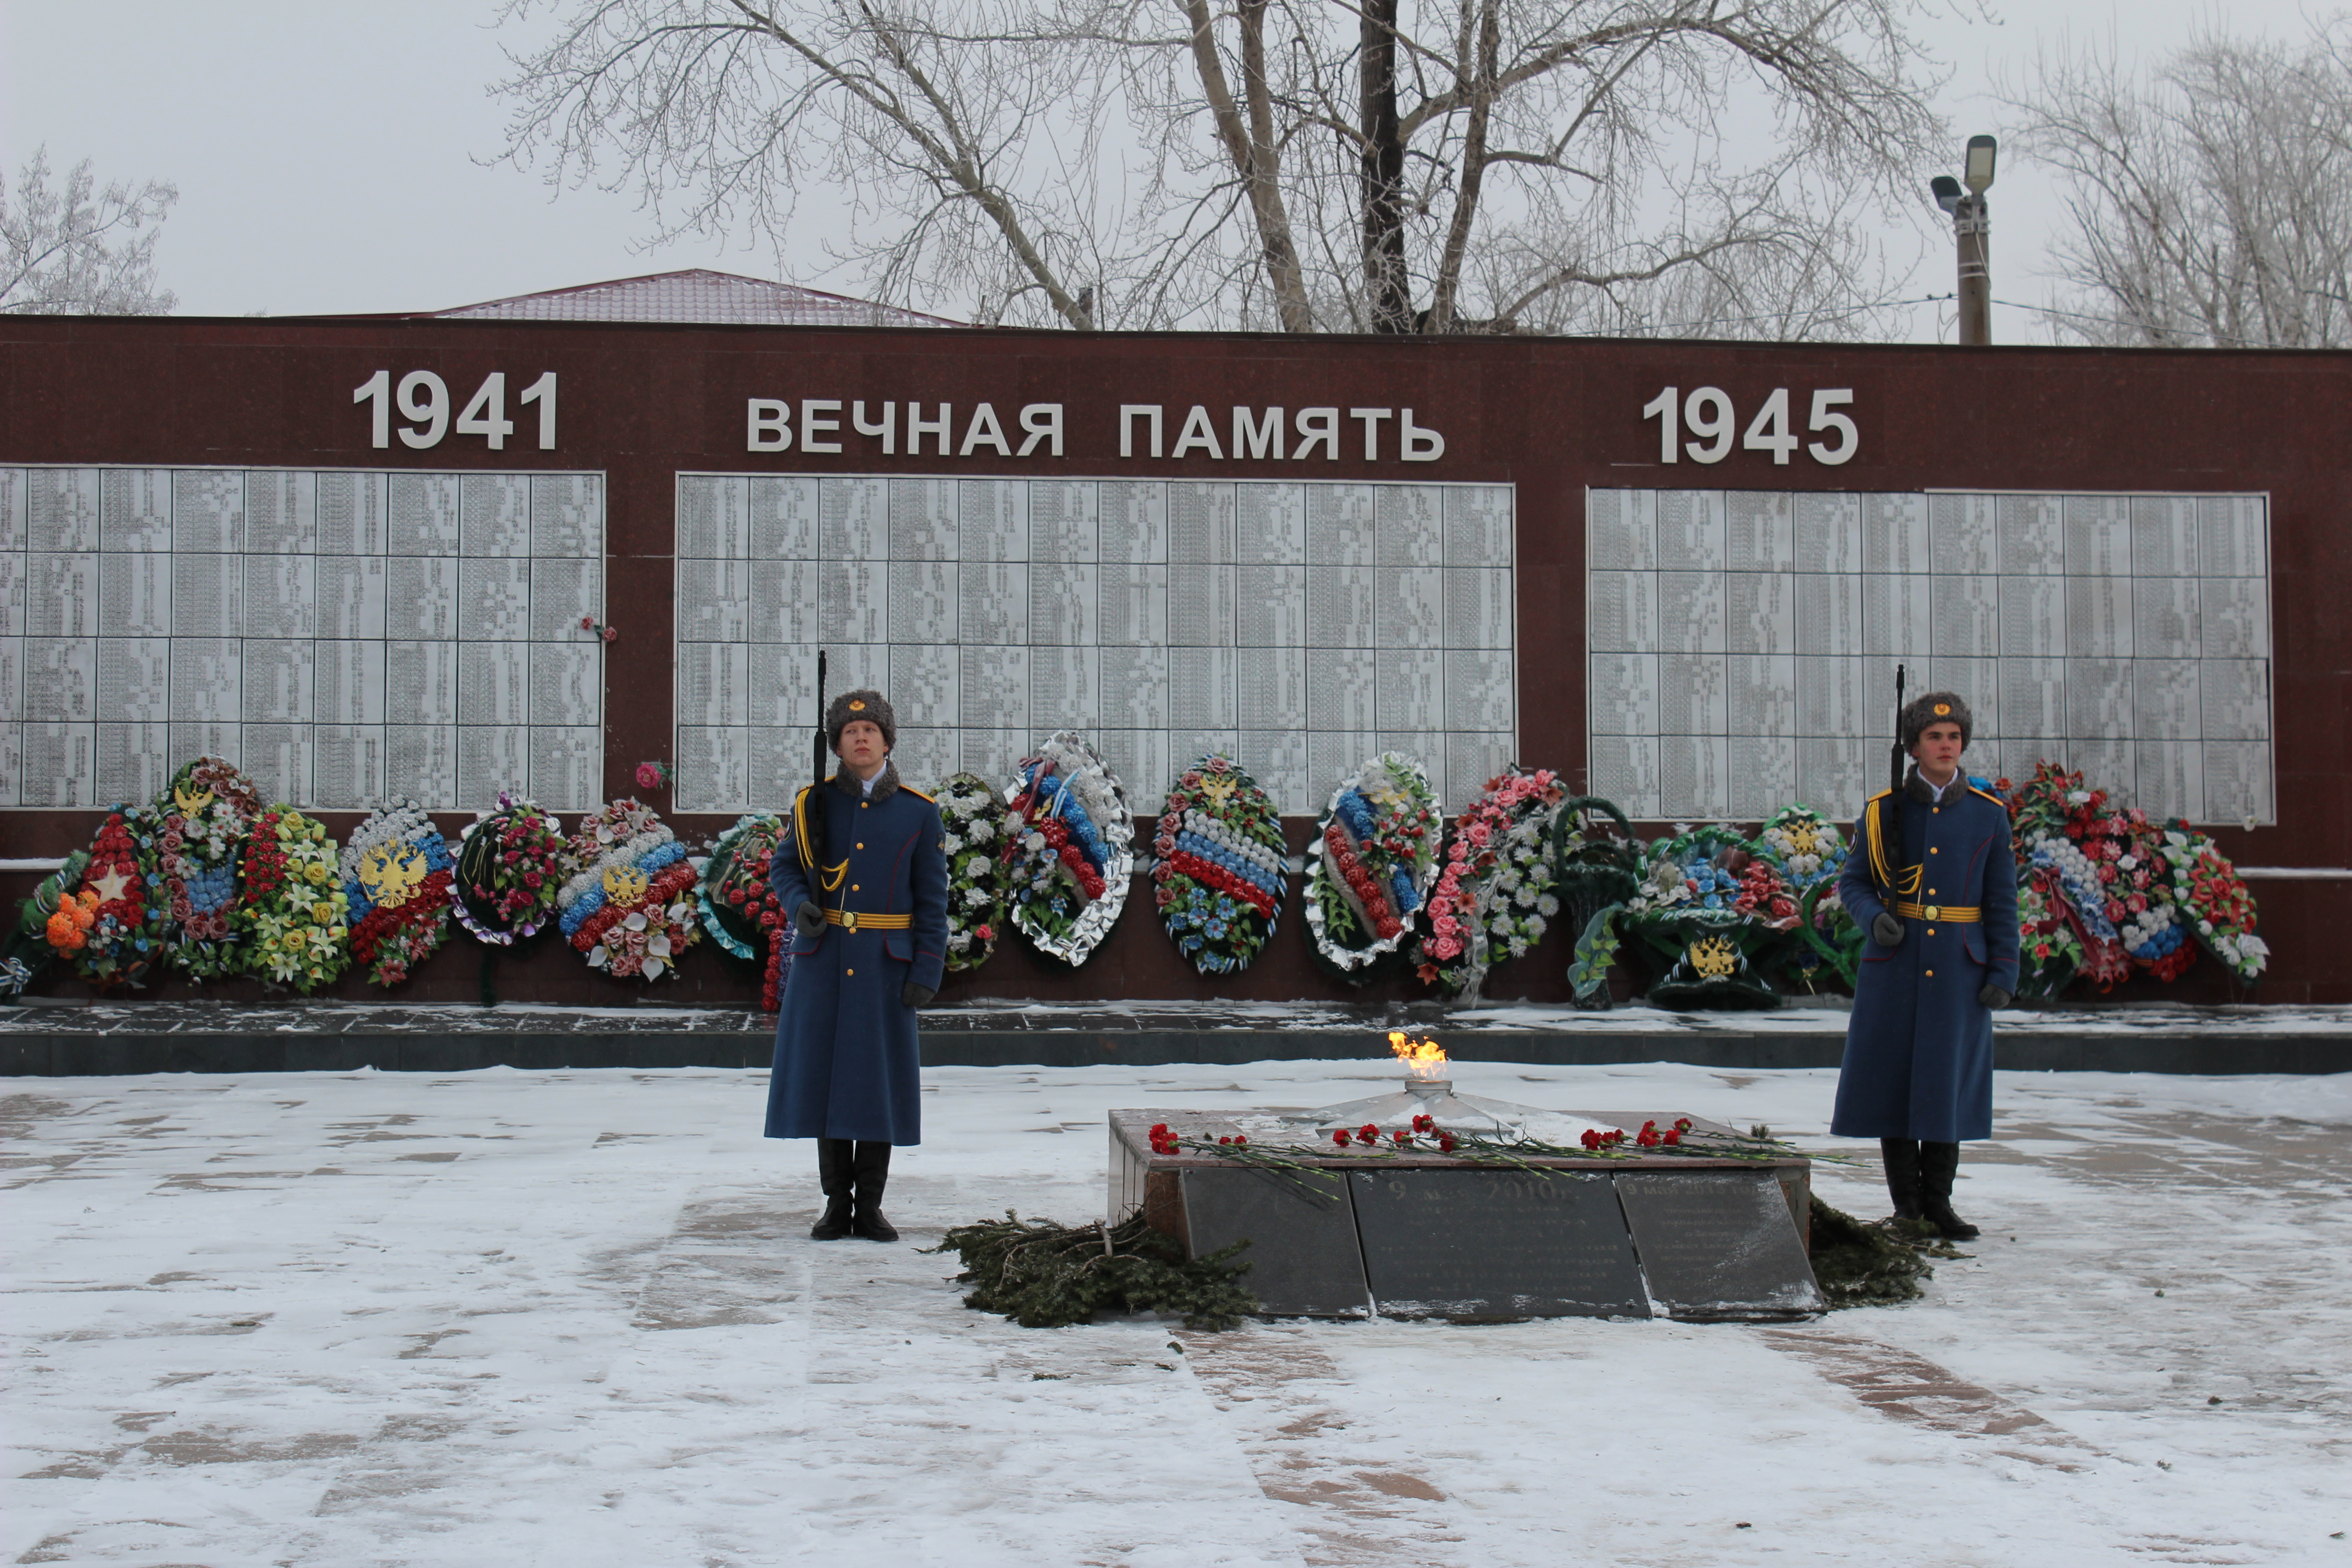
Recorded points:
862,868
1932,882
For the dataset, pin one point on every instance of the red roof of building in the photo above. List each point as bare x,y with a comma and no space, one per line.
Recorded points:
697,295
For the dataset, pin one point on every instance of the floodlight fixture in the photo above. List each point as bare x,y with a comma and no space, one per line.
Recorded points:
1977,175
1946,191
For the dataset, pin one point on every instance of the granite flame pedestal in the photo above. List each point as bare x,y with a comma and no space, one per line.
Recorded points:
1420,1235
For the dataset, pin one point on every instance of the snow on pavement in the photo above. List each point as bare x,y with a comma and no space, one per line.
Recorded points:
574,1318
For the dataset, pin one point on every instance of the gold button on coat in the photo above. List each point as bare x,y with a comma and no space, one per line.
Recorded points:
853,972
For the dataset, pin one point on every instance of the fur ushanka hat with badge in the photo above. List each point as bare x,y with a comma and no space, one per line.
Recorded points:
1937,708
863,703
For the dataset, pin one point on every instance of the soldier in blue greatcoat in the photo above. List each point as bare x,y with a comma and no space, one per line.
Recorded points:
1932,880
863,870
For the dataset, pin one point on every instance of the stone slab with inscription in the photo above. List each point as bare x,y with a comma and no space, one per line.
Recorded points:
1419,1234
1717,1244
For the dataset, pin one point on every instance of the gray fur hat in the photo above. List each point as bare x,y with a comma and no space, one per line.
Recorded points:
863,703
1936,708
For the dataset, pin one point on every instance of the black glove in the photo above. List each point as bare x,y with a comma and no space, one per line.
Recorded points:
1992,996
915,996
809,918
1886,930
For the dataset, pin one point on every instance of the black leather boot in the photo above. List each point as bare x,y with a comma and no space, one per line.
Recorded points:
1901,1158
1939,1165
873,1173
834,1174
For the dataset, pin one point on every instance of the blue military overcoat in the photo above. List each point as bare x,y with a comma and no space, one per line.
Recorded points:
847,1061
1918,1052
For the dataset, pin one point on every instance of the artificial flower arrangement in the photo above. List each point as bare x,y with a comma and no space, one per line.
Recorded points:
1493,897
55,920
292,919
1715,914
1373,862
2128,891
205,812
2214,900
628,906
1806,853
2075,847
511,862
131,932
1219,868
737,905
1069,848
975,817
396,871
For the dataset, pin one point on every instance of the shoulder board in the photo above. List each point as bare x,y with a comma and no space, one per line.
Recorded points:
1881,795
1990,796
918,795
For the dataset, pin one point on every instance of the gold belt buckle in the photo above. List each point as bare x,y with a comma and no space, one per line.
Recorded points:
1935,911
849,920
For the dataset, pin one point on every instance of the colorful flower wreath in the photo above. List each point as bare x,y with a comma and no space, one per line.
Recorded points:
2048,953
1221,865
292,920
2099,870
627,908
1494,892
510,864
975,819
54,920
1068,851
206,812
738,907
127,934
396,871
2214,900
1373,859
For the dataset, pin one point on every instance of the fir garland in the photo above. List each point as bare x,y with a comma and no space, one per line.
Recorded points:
1042,1275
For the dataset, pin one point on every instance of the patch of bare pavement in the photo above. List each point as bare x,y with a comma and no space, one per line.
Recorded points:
575,1318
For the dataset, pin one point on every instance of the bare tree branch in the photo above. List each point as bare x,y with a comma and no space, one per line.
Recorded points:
73,252
2210,205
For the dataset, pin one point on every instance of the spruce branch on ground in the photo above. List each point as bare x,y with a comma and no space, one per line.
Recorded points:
1043,1275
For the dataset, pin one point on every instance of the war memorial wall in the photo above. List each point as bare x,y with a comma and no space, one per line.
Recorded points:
367,558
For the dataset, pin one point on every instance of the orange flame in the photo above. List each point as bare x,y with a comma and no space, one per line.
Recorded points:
1423,1058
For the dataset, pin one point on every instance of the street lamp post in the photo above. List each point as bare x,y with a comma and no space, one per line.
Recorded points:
1972,237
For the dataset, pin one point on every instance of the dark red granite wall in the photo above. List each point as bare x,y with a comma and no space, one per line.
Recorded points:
1550,416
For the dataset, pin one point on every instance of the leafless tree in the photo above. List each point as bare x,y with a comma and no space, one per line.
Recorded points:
2210,205
81,251
1301,165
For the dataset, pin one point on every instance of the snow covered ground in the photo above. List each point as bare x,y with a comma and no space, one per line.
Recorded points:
573,1318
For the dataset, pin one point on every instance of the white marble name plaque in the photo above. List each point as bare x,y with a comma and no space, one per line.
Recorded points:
1741,645
1297,626
343,636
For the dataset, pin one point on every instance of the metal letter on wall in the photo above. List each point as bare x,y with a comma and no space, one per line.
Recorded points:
1296,626
1742,644
343,636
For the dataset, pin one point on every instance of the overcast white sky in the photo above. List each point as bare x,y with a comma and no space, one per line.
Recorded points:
325,152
